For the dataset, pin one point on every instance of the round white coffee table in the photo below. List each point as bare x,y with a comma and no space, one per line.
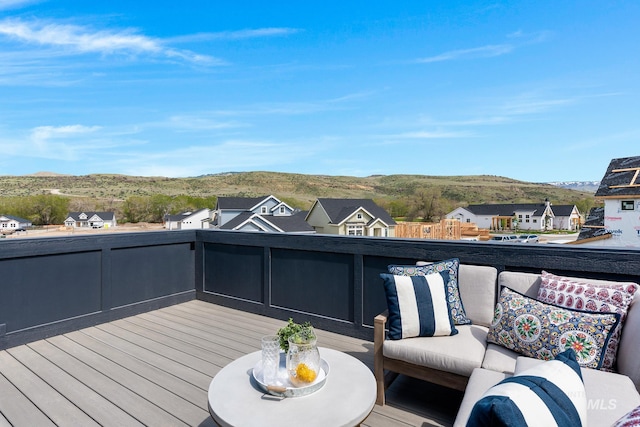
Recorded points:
346,399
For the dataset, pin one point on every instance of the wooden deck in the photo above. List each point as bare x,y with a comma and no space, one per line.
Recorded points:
154,369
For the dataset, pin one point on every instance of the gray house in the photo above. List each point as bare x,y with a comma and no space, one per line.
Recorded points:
265,214
90,220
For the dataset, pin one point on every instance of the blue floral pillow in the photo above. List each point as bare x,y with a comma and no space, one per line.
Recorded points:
543,331
453,293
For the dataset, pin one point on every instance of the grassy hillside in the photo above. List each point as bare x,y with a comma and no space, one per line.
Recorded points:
299,190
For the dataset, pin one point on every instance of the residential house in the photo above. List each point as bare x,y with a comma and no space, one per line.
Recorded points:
90,220
10,223
190,220
566,217
265,214
351,217
523,216
619,222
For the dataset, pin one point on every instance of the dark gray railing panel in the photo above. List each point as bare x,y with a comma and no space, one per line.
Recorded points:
144,273
319,283
234,271
44,289
54,285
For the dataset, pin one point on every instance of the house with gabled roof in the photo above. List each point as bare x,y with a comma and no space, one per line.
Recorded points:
350,217
10,223
249,221
619,222
265,214
523,216
566,217
188,220
90,220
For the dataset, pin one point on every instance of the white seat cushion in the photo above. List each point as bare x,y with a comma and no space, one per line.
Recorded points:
500,359
480,381
458,354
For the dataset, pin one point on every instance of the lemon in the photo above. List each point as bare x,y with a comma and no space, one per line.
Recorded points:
305,373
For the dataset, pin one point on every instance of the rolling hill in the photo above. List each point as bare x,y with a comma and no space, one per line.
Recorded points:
298,189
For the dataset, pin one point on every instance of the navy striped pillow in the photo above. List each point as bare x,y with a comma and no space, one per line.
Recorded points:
418,306
549,394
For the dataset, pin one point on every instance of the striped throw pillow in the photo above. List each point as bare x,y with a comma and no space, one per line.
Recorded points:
549,394
418,306
451,266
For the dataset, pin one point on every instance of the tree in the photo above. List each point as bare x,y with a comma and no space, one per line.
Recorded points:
43,209
584,206
427,204
137,209
398,208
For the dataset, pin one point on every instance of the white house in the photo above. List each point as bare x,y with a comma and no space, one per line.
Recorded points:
523,216
90,220
529,216
351,217
10,223
188,220
618,224
264,214
566,217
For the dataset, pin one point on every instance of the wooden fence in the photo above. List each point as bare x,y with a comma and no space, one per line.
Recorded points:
446,229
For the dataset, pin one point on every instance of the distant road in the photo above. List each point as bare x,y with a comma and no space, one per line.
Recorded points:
558,238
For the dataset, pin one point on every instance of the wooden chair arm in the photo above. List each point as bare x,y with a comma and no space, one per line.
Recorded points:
378,358
381,319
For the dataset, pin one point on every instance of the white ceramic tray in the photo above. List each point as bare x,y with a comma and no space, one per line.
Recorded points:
282,386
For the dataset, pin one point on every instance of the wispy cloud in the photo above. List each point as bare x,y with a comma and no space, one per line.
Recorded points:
343,102
477,52
75,39
15,4
43,133
231,155
528,104
518,39
235,35
196,123
60,142
75,142
429,135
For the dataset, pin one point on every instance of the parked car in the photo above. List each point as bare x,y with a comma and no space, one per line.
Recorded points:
504,238
529,238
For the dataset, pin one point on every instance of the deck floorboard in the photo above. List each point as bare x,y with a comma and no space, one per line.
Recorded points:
155,368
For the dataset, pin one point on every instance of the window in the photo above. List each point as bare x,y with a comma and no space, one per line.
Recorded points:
282,209
355,230
263,209
359,216
627,205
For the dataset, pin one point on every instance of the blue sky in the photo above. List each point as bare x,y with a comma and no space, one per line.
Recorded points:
536,91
